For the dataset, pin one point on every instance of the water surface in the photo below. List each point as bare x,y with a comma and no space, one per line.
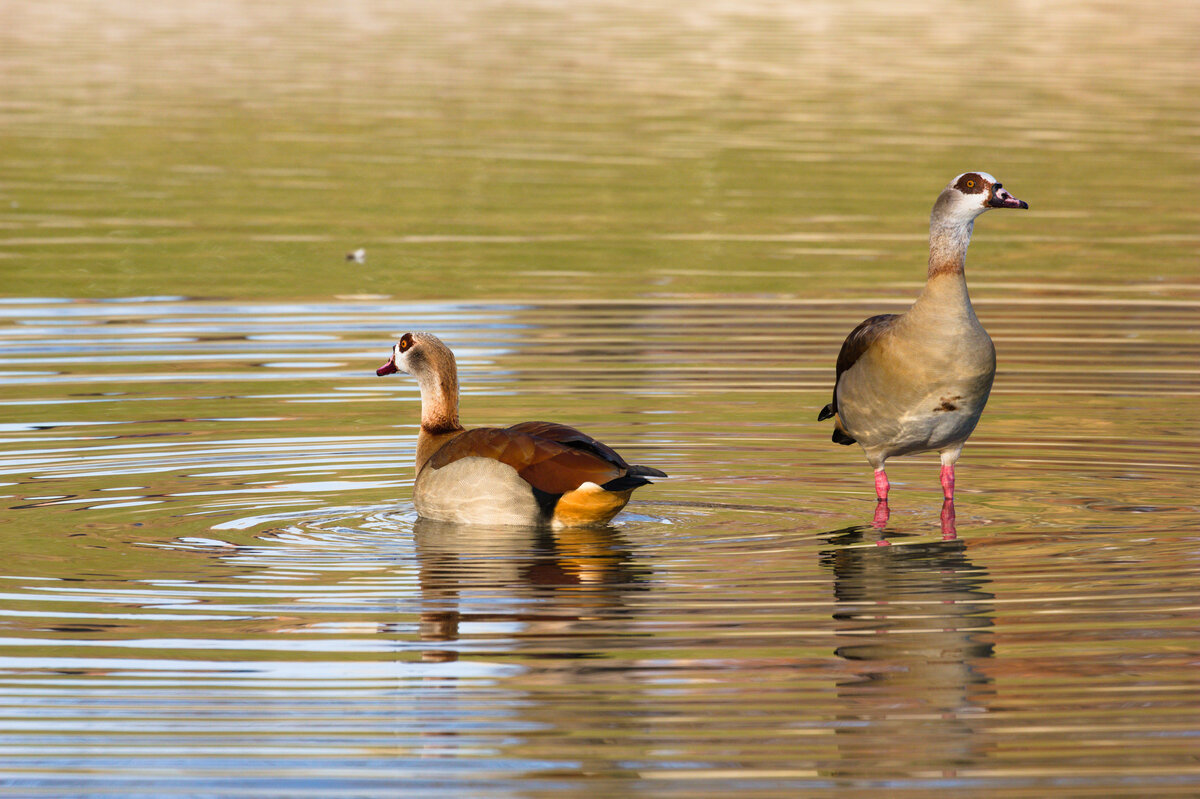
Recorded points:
216,582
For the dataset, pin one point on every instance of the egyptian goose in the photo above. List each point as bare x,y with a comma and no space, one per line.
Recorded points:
533,473
918,381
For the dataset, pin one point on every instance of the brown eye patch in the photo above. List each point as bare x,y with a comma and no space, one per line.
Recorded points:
970,183
406,341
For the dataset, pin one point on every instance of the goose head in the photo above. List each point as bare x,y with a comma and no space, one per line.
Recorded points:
972,193
426,358
420,354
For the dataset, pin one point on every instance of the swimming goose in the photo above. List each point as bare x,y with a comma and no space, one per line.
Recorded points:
918,381
532,473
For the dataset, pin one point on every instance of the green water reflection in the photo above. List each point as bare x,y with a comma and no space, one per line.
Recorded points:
597,150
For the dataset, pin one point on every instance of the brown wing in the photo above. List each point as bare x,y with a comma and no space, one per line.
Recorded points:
547,465
860,338
572,438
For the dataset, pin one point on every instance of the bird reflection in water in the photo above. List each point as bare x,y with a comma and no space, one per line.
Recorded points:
914,626
883,513
573,578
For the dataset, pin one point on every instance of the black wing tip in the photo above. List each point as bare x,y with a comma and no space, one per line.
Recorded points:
840,437
626,482
825,413
634,477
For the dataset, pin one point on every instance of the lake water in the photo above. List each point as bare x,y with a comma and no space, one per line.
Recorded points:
656,223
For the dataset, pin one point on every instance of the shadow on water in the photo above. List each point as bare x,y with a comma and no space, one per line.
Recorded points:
914,624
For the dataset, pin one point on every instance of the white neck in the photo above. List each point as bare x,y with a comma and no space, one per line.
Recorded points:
948,242
950,228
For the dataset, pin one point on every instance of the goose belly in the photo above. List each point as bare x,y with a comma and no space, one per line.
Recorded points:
913,417
476,490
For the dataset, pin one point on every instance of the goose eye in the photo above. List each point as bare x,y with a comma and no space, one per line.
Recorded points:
405,342
970,184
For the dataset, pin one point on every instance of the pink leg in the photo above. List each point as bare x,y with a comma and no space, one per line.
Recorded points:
949,533
881,485
882,512
948,481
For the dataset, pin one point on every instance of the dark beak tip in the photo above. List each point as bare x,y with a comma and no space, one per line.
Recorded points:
1007,201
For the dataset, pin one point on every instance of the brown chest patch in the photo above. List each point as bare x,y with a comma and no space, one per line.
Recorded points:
948,404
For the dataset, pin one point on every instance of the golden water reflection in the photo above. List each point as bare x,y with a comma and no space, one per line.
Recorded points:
578,578
914,622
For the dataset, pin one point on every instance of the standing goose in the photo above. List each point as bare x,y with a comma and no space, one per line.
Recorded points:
918,381
533,473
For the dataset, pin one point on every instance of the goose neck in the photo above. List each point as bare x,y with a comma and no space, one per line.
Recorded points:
948,243
439,401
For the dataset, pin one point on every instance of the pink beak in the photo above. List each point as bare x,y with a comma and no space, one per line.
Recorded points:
388,368
1002,199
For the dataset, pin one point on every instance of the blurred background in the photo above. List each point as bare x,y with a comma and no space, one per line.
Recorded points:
590,149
